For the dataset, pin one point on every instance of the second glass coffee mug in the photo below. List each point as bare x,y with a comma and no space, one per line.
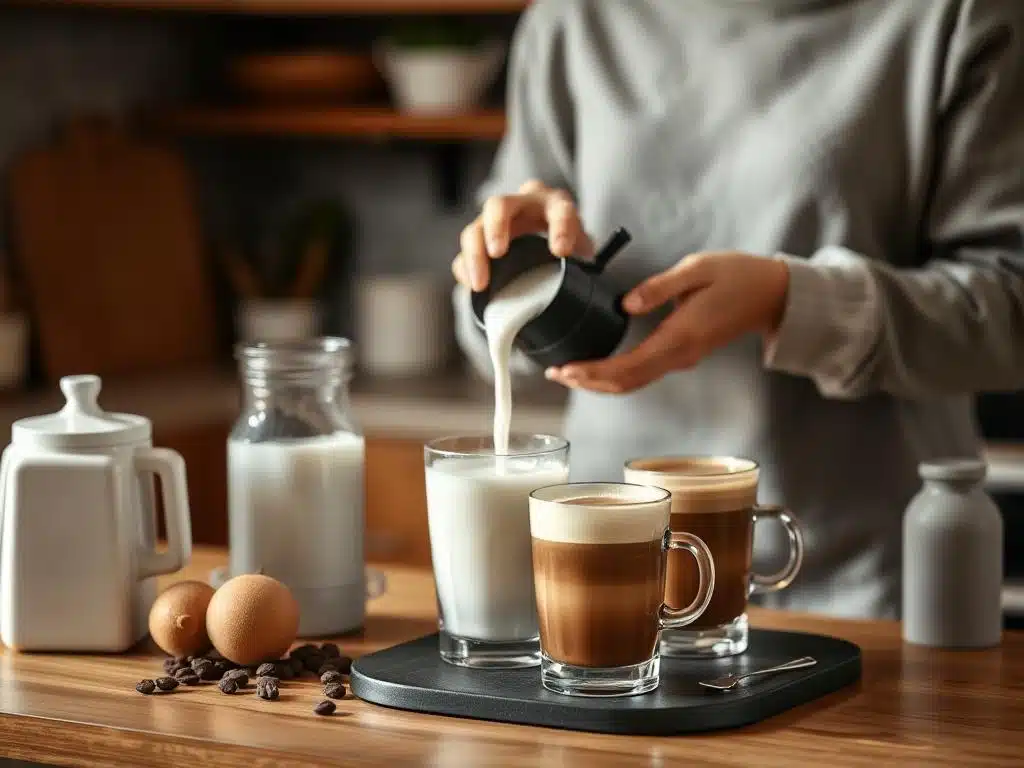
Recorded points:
716,499
599,560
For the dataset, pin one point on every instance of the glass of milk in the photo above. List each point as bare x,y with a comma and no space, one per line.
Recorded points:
295,480
478,509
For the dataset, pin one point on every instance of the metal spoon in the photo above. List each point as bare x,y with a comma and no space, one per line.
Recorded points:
728,682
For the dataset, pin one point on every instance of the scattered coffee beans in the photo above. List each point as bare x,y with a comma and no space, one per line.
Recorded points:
204,668
220,668
305,650
327,666
166,683
266,670
334,690
266,688
283,671
227,685
185,671
298,668
344,664
331,676
330,650
190,679
325,707
145,687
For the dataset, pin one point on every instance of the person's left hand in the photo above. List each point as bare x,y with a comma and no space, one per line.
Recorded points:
719,296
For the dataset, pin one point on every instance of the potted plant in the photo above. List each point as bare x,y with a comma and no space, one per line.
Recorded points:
281,302
439,66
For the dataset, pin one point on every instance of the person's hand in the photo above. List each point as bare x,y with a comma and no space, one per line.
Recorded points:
719,296
537,208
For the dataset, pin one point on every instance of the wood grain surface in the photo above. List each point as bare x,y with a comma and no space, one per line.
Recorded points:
913,707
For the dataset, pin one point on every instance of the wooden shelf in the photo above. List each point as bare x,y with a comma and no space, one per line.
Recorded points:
338,122
288,7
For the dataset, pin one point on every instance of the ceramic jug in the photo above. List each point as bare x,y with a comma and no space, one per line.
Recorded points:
78,526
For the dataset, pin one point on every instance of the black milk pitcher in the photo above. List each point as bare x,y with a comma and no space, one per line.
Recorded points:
585,320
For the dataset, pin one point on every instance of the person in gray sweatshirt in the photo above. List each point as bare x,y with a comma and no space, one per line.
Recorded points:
827,205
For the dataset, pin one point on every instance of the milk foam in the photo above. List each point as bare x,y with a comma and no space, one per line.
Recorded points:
634,519
479,520
511,308
704,486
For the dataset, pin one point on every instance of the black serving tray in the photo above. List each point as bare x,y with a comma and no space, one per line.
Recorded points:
412,676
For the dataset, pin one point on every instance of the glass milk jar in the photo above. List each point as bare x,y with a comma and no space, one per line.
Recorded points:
295,480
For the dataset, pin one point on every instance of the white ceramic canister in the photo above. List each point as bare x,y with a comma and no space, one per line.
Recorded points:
78,526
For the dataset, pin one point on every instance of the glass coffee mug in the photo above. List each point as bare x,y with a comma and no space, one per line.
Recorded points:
599,560
716,499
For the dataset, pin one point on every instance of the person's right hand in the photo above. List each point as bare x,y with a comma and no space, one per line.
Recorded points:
536,208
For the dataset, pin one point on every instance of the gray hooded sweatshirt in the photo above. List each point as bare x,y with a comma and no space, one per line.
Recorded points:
878,146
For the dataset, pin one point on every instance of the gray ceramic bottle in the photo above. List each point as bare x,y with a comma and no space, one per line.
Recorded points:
952,559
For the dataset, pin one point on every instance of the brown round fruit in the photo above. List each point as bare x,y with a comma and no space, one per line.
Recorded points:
177,620
252,619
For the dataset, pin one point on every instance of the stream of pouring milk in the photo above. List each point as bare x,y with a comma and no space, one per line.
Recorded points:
509,310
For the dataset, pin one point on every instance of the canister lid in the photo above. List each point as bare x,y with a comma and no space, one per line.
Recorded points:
81,423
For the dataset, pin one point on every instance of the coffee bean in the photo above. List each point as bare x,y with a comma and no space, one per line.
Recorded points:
344,664
173,663
190,679
314,661
304,650
240,676
330,650
327,666
204,668
220,667
145,687
334,690
283,671
298,668
266,688
166,683
184,672
325,707
266,670
331,676
228,685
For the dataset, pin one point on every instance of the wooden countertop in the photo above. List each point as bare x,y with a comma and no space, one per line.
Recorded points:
914,706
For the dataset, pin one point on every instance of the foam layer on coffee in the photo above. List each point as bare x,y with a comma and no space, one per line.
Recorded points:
699,485
638,514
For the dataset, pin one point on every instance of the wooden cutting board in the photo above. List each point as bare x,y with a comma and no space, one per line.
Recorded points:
106,230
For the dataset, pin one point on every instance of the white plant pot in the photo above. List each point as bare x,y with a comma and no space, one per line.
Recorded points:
439,80
404,325
14,335
278,320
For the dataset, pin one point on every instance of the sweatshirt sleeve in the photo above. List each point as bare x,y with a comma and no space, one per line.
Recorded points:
538,144
856,326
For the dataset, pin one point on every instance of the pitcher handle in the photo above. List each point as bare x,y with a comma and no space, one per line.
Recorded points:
170,468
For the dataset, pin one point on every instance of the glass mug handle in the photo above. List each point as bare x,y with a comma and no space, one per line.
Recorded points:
674,618
760,585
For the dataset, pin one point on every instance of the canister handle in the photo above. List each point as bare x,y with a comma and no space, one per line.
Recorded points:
170,468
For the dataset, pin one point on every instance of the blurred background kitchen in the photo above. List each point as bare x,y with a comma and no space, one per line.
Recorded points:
179,175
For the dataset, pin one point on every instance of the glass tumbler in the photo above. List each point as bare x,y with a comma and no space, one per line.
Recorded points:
478,513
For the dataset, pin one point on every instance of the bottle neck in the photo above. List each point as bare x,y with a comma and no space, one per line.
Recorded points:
958,485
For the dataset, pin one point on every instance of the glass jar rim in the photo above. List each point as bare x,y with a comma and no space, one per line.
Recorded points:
318,353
